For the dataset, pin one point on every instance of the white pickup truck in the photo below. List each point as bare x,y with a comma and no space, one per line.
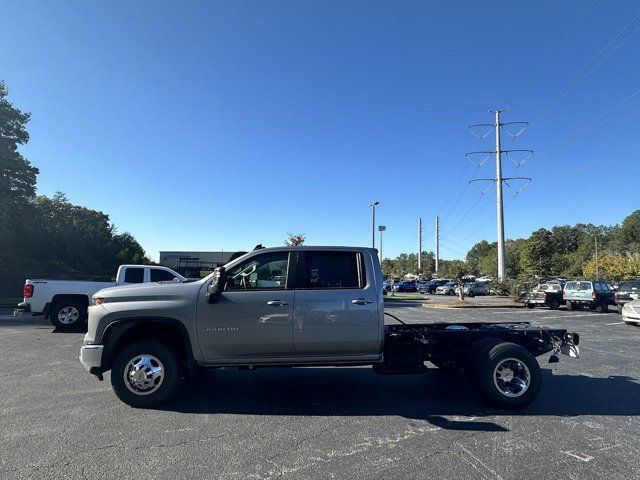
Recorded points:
65,302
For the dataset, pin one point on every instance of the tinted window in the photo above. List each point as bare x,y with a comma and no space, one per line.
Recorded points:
585,286
571,286
161,276
268,271
597,286
629,285
134,275
332,270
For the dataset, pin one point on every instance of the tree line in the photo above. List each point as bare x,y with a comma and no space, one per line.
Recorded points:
563,251
49,237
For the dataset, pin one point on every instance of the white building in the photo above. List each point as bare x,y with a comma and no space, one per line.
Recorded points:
194,264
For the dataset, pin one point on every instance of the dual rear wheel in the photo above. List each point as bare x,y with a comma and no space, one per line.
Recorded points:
505,374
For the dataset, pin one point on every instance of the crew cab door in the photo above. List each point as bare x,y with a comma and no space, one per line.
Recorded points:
253,318
337,311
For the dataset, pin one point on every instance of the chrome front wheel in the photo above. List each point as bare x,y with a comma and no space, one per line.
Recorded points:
143,374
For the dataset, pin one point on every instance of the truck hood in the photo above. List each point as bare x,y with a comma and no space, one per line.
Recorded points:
145,291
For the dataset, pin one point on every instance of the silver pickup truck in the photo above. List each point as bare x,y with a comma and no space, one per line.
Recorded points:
297,306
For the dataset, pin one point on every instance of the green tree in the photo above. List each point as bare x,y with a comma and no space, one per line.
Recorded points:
628,236
535,257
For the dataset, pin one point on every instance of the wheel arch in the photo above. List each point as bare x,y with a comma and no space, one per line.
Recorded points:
67,297
169,331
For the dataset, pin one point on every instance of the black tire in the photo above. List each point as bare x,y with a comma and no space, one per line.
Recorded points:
602,308
554,304
471,294
167,385
570,305
506,356
68,315
631,323
530,305
432,291
450,292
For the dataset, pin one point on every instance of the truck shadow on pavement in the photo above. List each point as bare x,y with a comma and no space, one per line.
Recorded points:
436,397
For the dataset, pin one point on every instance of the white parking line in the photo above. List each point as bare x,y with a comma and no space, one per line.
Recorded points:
575,315
614,323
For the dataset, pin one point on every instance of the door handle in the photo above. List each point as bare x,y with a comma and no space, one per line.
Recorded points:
278,303
361,301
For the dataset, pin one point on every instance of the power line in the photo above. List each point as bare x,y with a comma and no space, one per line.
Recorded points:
594,124
569,33
602,56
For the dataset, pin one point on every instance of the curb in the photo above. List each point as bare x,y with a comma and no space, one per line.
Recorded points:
451,307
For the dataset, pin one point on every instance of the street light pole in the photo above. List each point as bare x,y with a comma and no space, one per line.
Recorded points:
381,228
373,223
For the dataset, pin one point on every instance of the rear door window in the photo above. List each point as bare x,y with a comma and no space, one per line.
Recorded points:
597,286
134,275
333,270
585,286
161,275
571,286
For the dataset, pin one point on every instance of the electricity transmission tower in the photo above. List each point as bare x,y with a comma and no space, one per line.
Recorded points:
499,180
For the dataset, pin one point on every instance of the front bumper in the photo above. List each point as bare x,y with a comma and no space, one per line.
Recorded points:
91,359
630,315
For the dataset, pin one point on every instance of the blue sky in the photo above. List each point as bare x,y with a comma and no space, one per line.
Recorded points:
220,125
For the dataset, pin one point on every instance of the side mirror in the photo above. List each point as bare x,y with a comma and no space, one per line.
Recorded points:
216,287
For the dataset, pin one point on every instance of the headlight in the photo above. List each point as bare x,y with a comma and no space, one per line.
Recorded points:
98,300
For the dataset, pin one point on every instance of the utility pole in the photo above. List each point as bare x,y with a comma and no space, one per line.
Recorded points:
597,267
499,180
419,245
437,243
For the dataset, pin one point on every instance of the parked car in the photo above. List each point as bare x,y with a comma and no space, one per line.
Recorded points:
595,294
547,294
485,279
329,311
65,302
627,291
448,288
472,289
387,285
431,286
631,312
406,286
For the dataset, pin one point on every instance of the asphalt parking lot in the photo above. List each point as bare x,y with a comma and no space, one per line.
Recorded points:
59,422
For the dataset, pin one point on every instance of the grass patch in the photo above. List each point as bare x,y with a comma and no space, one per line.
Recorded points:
397,298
